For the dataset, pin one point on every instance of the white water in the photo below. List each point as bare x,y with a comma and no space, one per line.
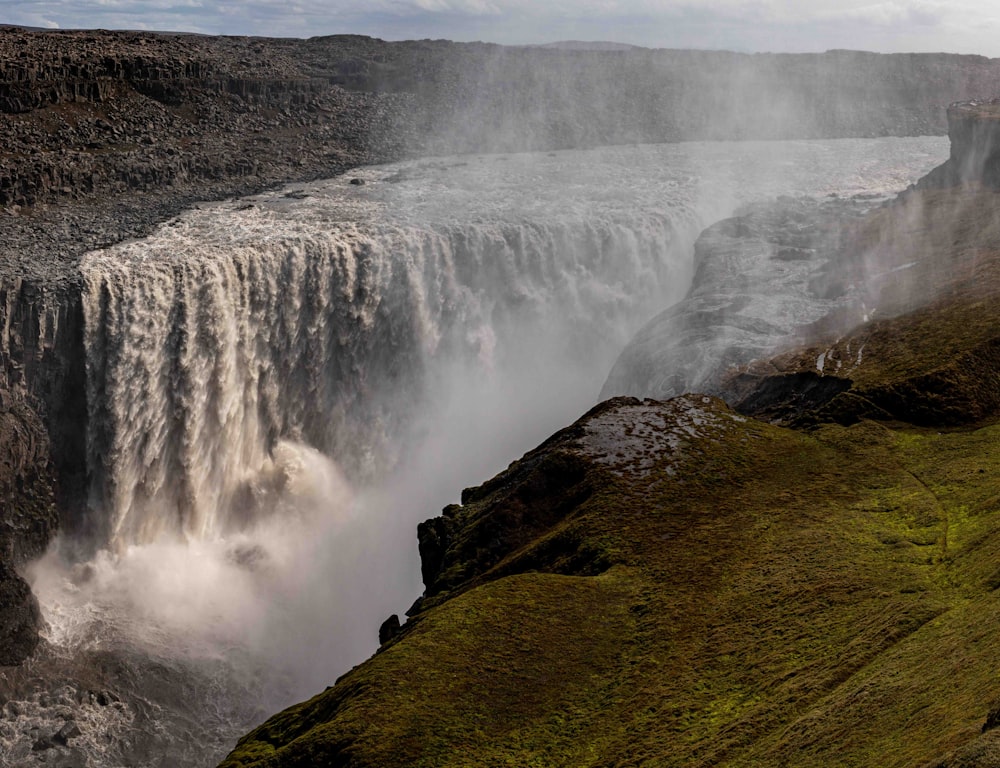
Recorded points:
280,389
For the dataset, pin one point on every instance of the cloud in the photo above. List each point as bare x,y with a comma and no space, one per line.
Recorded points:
962,26
472,7
889,14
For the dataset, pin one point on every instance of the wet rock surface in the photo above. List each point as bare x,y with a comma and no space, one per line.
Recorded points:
974,131
20,619
27,523
764,280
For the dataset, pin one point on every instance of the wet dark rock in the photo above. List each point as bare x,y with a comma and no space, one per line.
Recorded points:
992,718
29,511
974,130
20,618
433,540
59,738
68,731
389,630
788,398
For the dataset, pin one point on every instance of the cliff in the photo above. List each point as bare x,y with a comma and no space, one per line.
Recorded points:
101,113
808,578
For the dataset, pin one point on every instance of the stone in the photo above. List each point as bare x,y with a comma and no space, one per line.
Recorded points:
20,618
389,630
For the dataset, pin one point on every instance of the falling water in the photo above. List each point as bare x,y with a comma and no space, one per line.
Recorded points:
205,350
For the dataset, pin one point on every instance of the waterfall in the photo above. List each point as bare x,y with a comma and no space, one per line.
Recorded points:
235,328
280,388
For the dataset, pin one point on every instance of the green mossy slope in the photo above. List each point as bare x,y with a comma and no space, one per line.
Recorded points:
677,584
753,596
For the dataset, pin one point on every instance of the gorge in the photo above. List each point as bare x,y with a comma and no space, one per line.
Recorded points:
227,397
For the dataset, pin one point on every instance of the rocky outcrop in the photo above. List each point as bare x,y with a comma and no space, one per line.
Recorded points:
763,280
25,482
27,522
20,618
974,131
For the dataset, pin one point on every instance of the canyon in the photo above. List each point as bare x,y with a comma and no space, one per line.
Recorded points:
803,575
108,135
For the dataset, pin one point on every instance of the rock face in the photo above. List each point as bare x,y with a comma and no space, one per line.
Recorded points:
19,618
28,521
762,279
974,130
101,113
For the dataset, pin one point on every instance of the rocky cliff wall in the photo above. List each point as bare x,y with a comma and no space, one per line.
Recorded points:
103,113
974,129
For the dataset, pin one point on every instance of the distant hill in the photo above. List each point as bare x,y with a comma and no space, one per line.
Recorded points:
584,45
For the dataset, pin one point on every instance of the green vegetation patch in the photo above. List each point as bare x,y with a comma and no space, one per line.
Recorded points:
765,597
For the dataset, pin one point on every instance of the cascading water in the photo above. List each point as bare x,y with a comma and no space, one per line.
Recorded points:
205,348
280,388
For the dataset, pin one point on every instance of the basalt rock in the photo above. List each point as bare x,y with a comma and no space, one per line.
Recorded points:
27,522
974,131
20,618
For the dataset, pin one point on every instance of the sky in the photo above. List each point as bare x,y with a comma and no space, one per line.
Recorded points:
955,26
